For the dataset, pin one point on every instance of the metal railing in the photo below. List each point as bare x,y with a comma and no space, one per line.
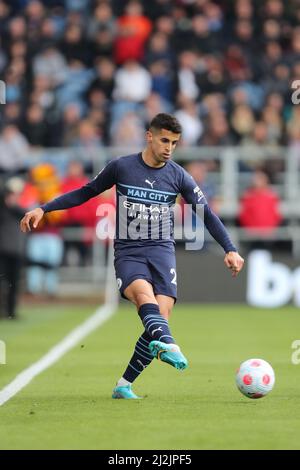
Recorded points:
229,177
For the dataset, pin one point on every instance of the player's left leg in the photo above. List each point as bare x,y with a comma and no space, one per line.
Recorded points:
165,304
162,264
169,353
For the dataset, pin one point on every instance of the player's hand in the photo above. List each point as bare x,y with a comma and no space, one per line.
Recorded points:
234,262
31,219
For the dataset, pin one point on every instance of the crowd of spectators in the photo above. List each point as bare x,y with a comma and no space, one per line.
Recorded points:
91,73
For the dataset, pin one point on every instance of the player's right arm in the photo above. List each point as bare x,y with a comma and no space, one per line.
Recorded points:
31,219
103,181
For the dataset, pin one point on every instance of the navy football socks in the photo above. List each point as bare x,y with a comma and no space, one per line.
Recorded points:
141,358
155,324
156,328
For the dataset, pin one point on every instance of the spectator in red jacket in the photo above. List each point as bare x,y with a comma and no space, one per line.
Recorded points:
259,207
133,31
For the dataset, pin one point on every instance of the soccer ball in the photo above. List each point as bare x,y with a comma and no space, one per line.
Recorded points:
255,378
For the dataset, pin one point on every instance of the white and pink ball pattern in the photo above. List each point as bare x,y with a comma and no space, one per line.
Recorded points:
255,378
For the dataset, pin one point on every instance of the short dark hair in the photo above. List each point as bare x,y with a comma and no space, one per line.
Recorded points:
166,121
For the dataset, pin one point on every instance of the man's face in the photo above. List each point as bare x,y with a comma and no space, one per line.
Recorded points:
162,144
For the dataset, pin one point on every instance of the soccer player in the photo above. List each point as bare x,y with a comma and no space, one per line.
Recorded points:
147,185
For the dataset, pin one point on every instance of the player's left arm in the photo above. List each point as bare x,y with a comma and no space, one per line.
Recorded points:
218,231
194,196
234,262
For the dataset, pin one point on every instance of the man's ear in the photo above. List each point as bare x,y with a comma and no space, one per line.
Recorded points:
149,136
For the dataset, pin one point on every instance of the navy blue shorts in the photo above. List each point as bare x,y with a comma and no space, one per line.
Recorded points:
157,265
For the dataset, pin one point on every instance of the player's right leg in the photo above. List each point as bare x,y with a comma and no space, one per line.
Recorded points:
132,268
141,357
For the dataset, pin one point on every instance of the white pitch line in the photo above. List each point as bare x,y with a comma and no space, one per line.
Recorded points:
101,315
56,353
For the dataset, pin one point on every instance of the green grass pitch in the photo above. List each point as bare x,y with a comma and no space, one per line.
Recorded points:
69,406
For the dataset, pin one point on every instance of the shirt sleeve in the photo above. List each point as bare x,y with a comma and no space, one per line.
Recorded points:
103,181
191,191
194,196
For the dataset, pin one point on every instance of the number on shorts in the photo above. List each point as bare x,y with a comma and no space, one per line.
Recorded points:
174,280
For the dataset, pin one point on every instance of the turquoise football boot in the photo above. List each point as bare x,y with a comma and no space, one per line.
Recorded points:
169,353
125,392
